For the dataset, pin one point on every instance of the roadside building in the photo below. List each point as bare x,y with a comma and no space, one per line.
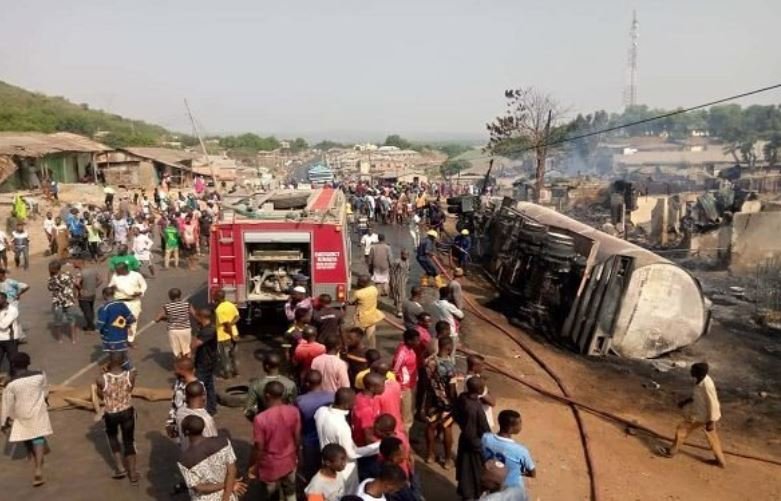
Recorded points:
672,162
28,157
145,166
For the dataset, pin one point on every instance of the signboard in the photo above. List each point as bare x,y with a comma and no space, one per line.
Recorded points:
327,260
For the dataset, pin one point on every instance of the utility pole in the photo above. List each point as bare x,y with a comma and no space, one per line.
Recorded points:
630,92
487,176
541,155
203,147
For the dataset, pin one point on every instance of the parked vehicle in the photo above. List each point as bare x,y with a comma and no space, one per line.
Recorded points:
266,244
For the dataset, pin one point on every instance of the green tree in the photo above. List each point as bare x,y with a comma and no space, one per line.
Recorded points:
452,150
251,142
532,120
453,166
21,110
770,150
397,141
585,149
298,144
326,144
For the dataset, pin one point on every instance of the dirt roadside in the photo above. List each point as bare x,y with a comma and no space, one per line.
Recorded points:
626,465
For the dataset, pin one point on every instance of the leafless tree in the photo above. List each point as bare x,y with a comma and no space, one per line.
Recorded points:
529,123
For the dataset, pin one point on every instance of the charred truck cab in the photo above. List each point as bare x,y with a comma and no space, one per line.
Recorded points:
266,244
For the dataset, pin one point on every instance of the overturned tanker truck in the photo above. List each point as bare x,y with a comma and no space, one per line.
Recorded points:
584,288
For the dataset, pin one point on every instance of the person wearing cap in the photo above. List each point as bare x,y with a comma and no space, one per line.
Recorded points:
459,252
425,256
298,300
455,289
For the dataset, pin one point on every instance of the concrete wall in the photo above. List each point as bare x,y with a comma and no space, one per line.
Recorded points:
755,238
713,244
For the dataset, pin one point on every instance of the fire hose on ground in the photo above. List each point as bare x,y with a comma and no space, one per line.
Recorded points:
584,439
565,399
477,310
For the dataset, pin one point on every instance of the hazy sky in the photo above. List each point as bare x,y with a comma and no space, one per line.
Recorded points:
366,68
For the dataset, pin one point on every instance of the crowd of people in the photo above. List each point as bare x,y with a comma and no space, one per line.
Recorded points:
332,417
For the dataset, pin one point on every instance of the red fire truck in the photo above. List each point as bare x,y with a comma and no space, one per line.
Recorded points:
265,244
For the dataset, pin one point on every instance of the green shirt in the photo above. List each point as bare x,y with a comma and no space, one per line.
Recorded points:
256,401
129,259
171,237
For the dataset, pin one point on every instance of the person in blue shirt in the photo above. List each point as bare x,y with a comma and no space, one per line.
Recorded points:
501,447
308,404
114,320
462,245
425,256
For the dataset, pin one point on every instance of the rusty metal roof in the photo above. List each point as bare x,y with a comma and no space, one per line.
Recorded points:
166,156
37,144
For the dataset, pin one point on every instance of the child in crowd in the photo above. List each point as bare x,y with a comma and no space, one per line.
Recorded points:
21,242
474,367
329,483
390,480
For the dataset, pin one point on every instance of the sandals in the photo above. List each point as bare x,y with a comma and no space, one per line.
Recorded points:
119,474
134,478
38,481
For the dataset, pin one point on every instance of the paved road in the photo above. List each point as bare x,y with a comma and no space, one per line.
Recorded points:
78,467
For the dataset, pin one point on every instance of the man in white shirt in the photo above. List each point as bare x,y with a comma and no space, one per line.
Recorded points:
448,312
370,204
195,397
371,237
414,230
333,428
702,410
130,287
142,249
50,229
119,229
9,327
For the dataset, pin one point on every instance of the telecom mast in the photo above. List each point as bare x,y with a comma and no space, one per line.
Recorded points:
630,92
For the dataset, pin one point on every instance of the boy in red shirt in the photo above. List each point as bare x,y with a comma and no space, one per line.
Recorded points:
405,366
306,351
367,409
390,399
276,433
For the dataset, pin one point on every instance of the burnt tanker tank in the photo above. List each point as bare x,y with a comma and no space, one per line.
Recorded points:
587,289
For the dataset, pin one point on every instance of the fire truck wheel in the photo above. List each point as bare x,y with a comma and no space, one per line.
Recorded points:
233,396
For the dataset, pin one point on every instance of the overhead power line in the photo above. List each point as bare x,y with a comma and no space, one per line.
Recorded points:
643,121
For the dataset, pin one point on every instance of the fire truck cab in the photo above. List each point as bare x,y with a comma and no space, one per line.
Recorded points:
267,243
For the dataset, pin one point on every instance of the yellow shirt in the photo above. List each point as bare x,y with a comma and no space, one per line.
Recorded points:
366,312
226,312
389,376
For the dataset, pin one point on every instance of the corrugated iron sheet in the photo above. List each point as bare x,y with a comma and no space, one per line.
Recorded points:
37,144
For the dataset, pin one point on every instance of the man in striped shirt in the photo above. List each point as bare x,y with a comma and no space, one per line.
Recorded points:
177,314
